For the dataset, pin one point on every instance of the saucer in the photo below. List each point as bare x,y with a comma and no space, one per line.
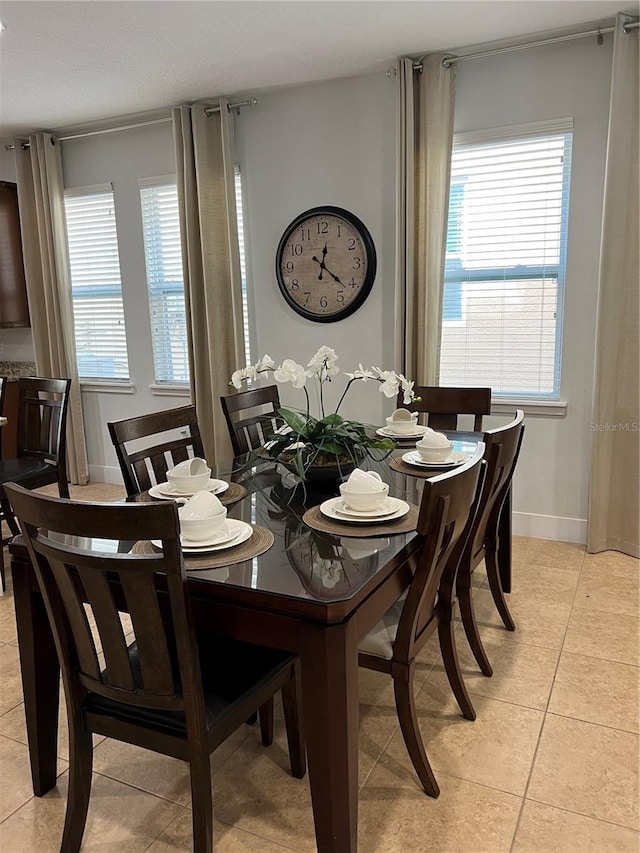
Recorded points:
331,509
165,492
236,532
454,458
387,507
385,432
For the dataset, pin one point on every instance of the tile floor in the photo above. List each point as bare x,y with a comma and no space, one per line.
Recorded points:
550,764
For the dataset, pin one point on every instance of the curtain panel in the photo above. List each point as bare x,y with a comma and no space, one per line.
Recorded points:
425,113
614,511
211,263
46,263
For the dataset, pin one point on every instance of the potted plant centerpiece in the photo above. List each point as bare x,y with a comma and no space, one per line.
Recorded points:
329,446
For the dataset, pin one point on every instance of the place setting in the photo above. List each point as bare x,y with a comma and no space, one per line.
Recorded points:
402,427
433,452
206,532
191,476
363,508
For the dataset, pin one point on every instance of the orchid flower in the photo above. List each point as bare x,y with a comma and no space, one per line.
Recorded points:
361,373
390,382
291,371
324,364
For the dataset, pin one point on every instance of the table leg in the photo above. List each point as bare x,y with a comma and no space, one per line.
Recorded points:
40,678
503,554
329,659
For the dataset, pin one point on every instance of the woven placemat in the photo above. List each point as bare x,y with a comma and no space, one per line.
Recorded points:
232,495
314,519
259,542
397,464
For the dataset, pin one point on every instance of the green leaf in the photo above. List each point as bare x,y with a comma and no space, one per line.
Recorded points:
300,424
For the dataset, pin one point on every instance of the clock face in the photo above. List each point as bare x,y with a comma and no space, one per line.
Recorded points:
326,264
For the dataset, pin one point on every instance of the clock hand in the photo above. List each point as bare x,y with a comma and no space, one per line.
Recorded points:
322,266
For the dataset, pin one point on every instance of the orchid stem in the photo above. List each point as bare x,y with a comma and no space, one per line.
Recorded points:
344,394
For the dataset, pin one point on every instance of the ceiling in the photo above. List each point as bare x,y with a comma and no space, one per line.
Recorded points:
77,61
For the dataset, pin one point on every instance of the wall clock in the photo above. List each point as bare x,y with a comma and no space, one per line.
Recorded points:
326,264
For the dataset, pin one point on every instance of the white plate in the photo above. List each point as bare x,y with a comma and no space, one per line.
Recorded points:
328,508
388,506
241,530
454,458
385,432
227,533
165,492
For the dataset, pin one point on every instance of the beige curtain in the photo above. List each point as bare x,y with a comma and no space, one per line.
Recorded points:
614,513
44,239
424,142
211,261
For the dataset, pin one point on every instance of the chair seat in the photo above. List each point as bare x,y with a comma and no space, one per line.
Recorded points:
24,469
234,670
380,639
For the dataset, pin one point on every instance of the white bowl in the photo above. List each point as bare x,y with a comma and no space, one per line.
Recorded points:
403,422
364,490
188,484
197,528
434,447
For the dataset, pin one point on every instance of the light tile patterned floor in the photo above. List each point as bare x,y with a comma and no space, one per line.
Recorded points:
550,764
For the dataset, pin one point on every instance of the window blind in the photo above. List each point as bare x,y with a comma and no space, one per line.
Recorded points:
101,345
243,265
163,256
505,265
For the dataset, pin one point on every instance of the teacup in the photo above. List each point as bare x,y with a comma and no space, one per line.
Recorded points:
364,490
434,447
402,422
189,476
202,517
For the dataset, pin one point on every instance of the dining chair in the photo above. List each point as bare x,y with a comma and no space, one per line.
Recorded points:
41,457
447,509
251,417
143,468
152,689
443,405
501,454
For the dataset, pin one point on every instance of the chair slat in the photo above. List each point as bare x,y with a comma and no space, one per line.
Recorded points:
247,432
78,621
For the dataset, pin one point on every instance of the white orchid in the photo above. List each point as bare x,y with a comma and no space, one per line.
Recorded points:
265,363
324,364
407,389
361,373
291,371
242,375
389,380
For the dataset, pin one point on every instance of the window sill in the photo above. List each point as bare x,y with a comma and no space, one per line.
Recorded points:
107,386
166,390
540,408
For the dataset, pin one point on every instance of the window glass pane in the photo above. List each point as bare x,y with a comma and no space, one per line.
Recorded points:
163,255
101,345
504,272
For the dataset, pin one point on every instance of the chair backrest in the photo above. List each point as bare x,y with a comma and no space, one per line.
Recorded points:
42,421
144,467
447,509
443,405
501,454
162,672
251,429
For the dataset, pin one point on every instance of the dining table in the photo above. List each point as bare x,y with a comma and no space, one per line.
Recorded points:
313,593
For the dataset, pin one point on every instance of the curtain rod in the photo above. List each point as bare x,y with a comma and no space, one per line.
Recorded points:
209,111
448,61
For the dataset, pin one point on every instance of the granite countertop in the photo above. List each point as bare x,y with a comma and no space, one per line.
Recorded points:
15,369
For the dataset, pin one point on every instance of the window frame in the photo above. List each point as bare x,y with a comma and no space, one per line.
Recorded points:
549,403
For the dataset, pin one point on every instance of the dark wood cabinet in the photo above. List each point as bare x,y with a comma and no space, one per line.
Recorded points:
14,310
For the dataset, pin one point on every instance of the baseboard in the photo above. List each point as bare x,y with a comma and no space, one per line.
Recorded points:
550,527
105,474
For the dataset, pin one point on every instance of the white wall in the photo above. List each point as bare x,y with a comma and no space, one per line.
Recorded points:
570,79
328,143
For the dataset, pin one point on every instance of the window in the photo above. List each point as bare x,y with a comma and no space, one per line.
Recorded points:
101,345
163,255
505,263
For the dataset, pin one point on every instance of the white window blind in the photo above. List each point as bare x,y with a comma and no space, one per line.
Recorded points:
243,265
101,345
163,255
505,265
